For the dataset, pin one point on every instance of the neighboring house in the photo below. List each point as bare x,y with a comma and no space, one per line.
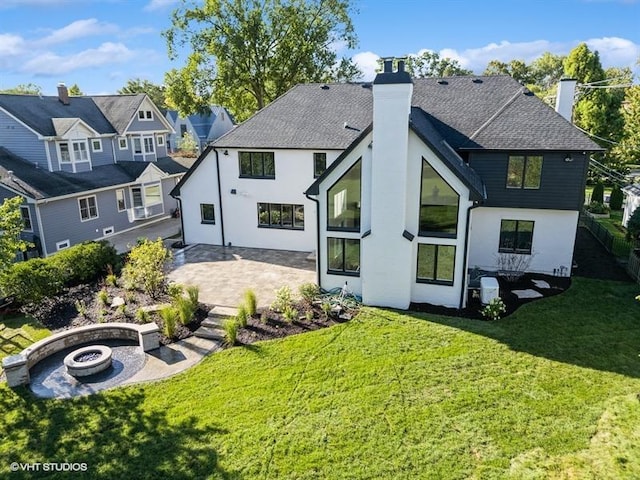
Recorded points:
87,167
632,193
204,128
418,182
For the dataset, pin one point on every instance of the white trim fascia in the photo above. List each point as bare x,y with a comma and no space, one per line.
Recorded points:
161,174
146,132
75,124
39,135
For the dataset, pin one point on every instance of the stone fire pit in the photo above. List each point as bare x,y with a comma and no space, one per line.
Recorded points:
88,360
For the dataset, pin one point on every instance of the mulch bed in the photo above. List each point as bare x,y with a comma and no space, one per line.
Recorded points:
511,301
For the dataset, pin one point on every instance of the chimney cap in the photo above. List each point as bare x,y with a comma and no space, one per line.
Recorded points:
388,76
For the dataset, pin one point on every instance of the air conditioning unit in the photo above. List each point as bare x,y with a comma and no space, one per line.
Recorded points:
489,289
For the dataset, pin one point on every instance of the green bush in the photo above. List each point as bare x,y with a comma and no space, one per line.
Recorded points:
598,193
169,317
230,332
290,313
598,208
250,302
242,316
142,316
185,308
175,290
85,262
494,309
284,299
633,226
616,199
31,281
102,297
145,267
193,293
309,292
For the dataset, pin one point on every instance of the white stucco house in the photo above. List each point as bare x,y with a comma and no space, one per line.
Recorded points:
400,186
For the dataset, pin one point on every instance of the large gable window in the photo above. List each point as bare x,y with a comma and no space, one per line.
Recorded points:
343,200
257,165
438,205
524,171
343,256
516,236
436,263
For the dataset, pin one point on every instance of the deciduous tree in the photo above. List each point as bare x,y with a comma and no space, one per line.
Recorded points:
11,225
246,53
24,89
75,91
431,64
155,92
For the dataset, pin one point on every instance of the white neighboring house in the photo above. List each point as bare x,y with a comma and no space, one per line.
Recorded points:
425,179
203,127
632,193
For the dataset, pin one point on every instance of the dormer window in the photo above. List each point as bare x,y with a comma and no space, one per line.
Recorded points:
74,151
145,115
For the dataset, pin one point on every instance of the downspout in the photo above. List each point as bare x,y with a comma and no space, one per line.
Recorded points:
463,292
181,218
317,202
220,196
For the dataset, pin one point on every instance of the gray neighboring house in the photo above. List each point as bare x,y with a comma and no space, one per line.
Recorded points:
87,167
203,127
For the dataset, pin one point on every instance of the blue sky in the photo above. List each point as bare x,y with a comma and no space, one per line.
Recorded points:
100,44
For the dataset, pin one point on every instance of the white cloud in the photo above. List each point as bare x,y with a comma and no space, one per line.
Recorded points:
49,63
367,62
11,45
614,51
159,4
78,29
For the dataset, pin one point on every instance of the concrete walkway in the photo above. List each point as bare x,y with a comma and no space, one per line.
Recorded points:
162,229
224,273
171,359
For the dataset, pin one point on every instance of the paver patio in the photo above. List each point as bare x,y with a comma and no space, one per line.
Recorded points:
224,273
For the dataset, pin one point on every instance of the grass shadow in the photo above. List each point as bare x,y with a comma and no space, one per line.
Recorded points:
594,324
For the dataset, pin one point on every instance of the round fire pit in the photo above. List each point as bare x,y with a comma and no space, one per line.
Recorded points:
88,360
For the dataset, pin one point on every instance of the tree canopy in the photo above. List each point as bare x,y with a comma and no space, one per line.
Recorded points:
24,89
246,53
74,90
431,64
628,150
11,225
155,92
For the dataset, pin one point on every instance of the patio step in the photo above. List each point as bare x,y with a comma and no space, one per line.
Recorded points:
210,333
213,322
220,311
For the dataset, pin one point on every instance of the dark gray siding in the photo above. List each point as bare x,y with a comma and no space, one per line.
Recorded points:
21,141
561,184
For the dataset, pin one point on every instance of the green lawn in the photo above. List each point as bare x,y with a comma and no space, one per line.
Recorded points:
550,392
28,329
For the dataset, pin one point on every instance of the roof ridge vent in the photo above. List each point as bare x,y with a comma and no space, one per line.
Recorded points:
443,82
324,86
477,80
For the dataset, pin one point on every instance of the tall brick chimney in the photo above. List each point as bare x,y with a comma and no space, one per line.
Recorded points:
63,94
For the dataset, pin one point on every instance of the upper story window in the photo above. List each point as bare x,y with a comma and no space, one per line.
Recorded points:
319,164
145,115
524,171
96,145
343,200
438,205
160,140
26,218
257,165
88,208
73,151
122,143
516,236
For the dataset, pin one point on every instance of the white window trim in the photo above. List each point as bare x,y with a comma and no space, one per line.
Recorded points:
59,151
95,199
145,117
99,142
25,207
63,244
108,231
160,140
123,200
126,143
72,160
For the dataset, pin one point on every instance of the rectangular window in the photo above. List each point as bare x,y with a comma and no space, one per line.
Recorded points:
145,115
122,143
516,236
88,208
207,213
281,215
319,164
137,146
107,231
96,145
343,256
65,156
120,200
524,171
257,165
80,153
436,263
343,200
183,130
160,140
152,195
26,218
63,244
148,144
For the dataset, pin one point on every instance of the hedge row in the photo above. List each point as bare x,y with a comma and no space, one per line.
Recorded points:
37,278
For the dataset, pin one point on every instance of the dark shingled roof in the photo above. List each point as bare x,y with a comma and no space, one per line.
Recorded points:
38,183
119,109
37,112
489,113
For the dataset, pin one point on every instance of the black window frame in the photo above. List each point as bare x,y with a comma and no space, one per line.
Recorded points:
257,163
514,249
435,233
271,209
526,160
343,271
434,280
27,224
337,228
204,220
322,158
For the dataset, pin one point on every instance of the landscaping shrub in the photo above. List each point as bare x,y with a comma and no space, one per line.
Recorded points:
250,302
81,307
309,292
290,313
185,308
169,317
31,281
598,193
326,309
284,299
616,199
193,293
230,331
103,297
145,267
142,316
598,208
85,262
242,316
175,290
494,309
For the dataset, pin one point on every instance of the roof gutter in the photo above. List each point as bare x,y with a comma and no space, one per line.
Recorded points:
219,195
463,291
317,202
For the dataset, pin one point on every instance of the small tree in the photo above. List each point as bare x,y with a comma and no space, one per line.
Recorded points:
188,145
598,193
145,267
633,226
11,225
617,197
